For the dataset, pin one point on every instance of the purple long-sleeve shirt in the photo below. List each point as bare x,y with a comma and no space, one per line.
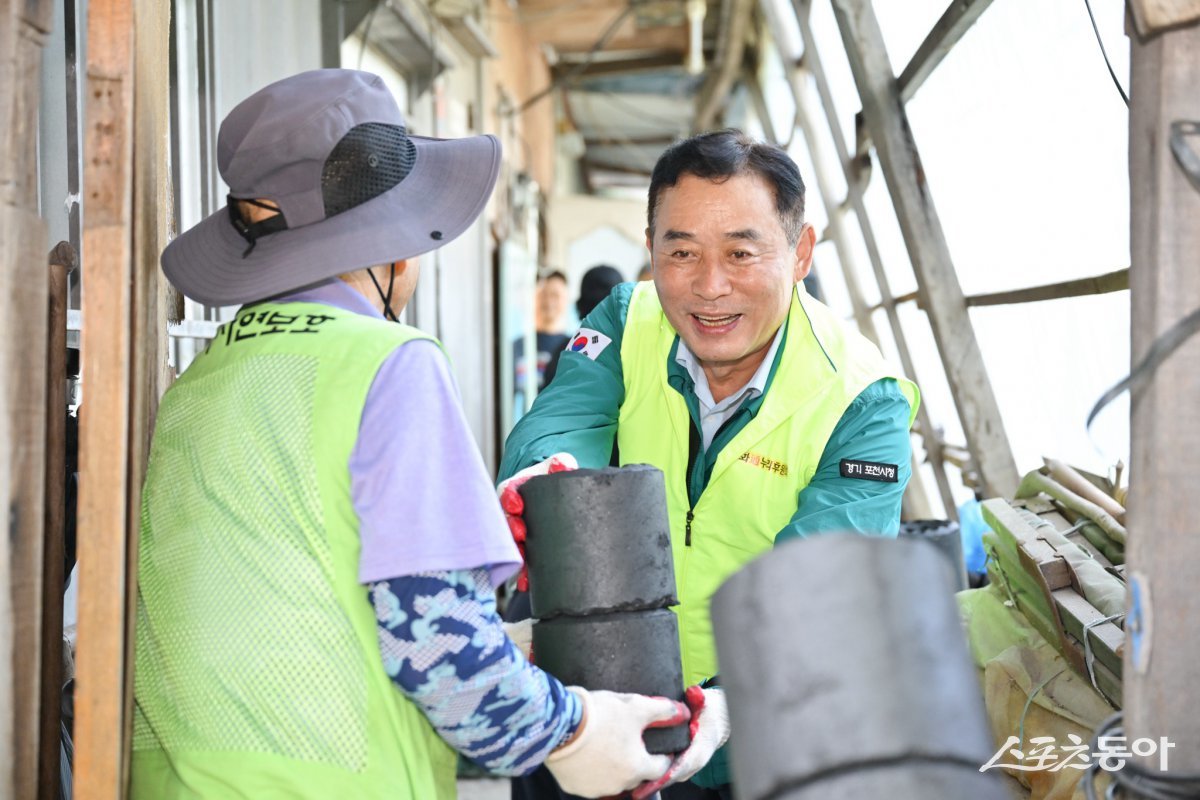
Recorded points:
424,498
431,528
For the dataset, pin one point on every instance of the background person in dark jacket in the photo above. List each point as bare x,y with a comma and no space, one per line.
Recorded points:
597,283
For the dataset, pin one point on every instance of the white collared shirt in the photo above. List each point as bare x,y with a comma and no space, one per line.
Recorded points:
712,414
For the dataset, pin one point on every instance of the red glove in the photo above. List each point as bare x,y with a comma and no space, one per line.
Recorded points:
514,505
607,753
707,730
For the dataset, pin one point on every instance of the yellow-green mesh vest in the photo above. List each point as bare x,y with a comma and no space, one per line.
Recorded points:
258,672
757,477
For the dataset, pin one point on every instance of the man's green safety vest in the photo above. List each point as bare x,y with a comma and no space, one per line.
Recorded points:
757,477
258,671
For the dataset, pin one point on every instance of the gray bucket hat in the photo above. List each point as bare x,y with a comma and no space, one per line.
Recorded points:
354,189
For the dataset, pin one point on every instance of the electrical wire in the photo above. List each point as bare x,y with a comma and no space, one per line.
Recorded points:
1133,780
568,77
1104,53
1158,352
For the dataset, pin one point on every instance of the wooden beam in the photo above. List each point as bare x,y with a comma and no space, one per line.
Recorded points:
937,281
1163,571
62,261
907,297
798,78
837,228
608,67
1041,559
23,290
714,94
649,141
1080,287
941,39
104,422
577,32
150,297
1115,281
1107,640
1154,16
623,169
955,21
916,501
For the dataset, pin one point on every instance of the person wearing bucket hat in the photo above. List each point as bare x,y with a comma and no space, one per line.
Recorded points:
320,542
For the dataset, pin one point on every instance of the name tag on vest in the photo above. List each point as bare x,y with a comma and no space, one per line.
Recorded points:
870,471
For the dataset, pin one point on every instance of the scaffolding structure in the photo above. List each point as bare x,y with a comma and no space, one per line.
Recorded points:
130,184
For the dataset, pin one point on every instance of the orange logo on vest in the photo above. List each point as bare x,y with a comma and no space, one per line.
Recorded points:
762,462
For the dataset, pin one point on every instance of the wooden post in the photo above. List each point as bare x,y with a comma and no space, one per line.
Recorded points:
152,206
941,293
104,415
23,28
128,205
1163,509
62,261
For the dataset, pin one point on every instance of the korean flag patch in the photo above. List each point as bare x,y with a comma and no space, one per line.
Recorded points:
589,343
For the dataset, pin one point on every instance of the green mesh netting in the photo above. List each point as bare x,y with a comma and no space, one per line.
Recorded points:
242,644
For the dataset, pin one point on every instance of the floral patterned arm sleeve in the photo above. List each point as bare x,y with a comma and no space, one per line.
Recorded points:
445,648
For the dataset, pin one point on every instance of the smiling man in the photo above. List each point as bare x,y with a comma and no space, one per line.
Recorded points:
769,417
319,543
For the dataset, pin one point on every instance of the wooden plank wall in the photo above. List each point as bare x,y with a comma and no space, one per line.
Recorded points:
23,327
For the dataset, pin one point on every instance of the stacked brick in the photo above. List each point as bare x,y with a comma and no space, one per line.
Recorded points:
602,581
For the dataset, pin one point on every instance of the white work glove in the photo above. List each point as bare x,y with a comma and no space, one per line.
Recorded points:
521,634
607,755
709,729
514,505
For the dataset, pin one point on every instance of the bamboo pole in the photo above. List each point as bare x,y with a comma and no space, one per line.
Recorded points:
1071,479
1036,482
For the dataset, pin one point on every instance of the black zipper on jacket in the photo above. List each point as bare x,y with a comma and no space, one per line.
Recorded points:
693,454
